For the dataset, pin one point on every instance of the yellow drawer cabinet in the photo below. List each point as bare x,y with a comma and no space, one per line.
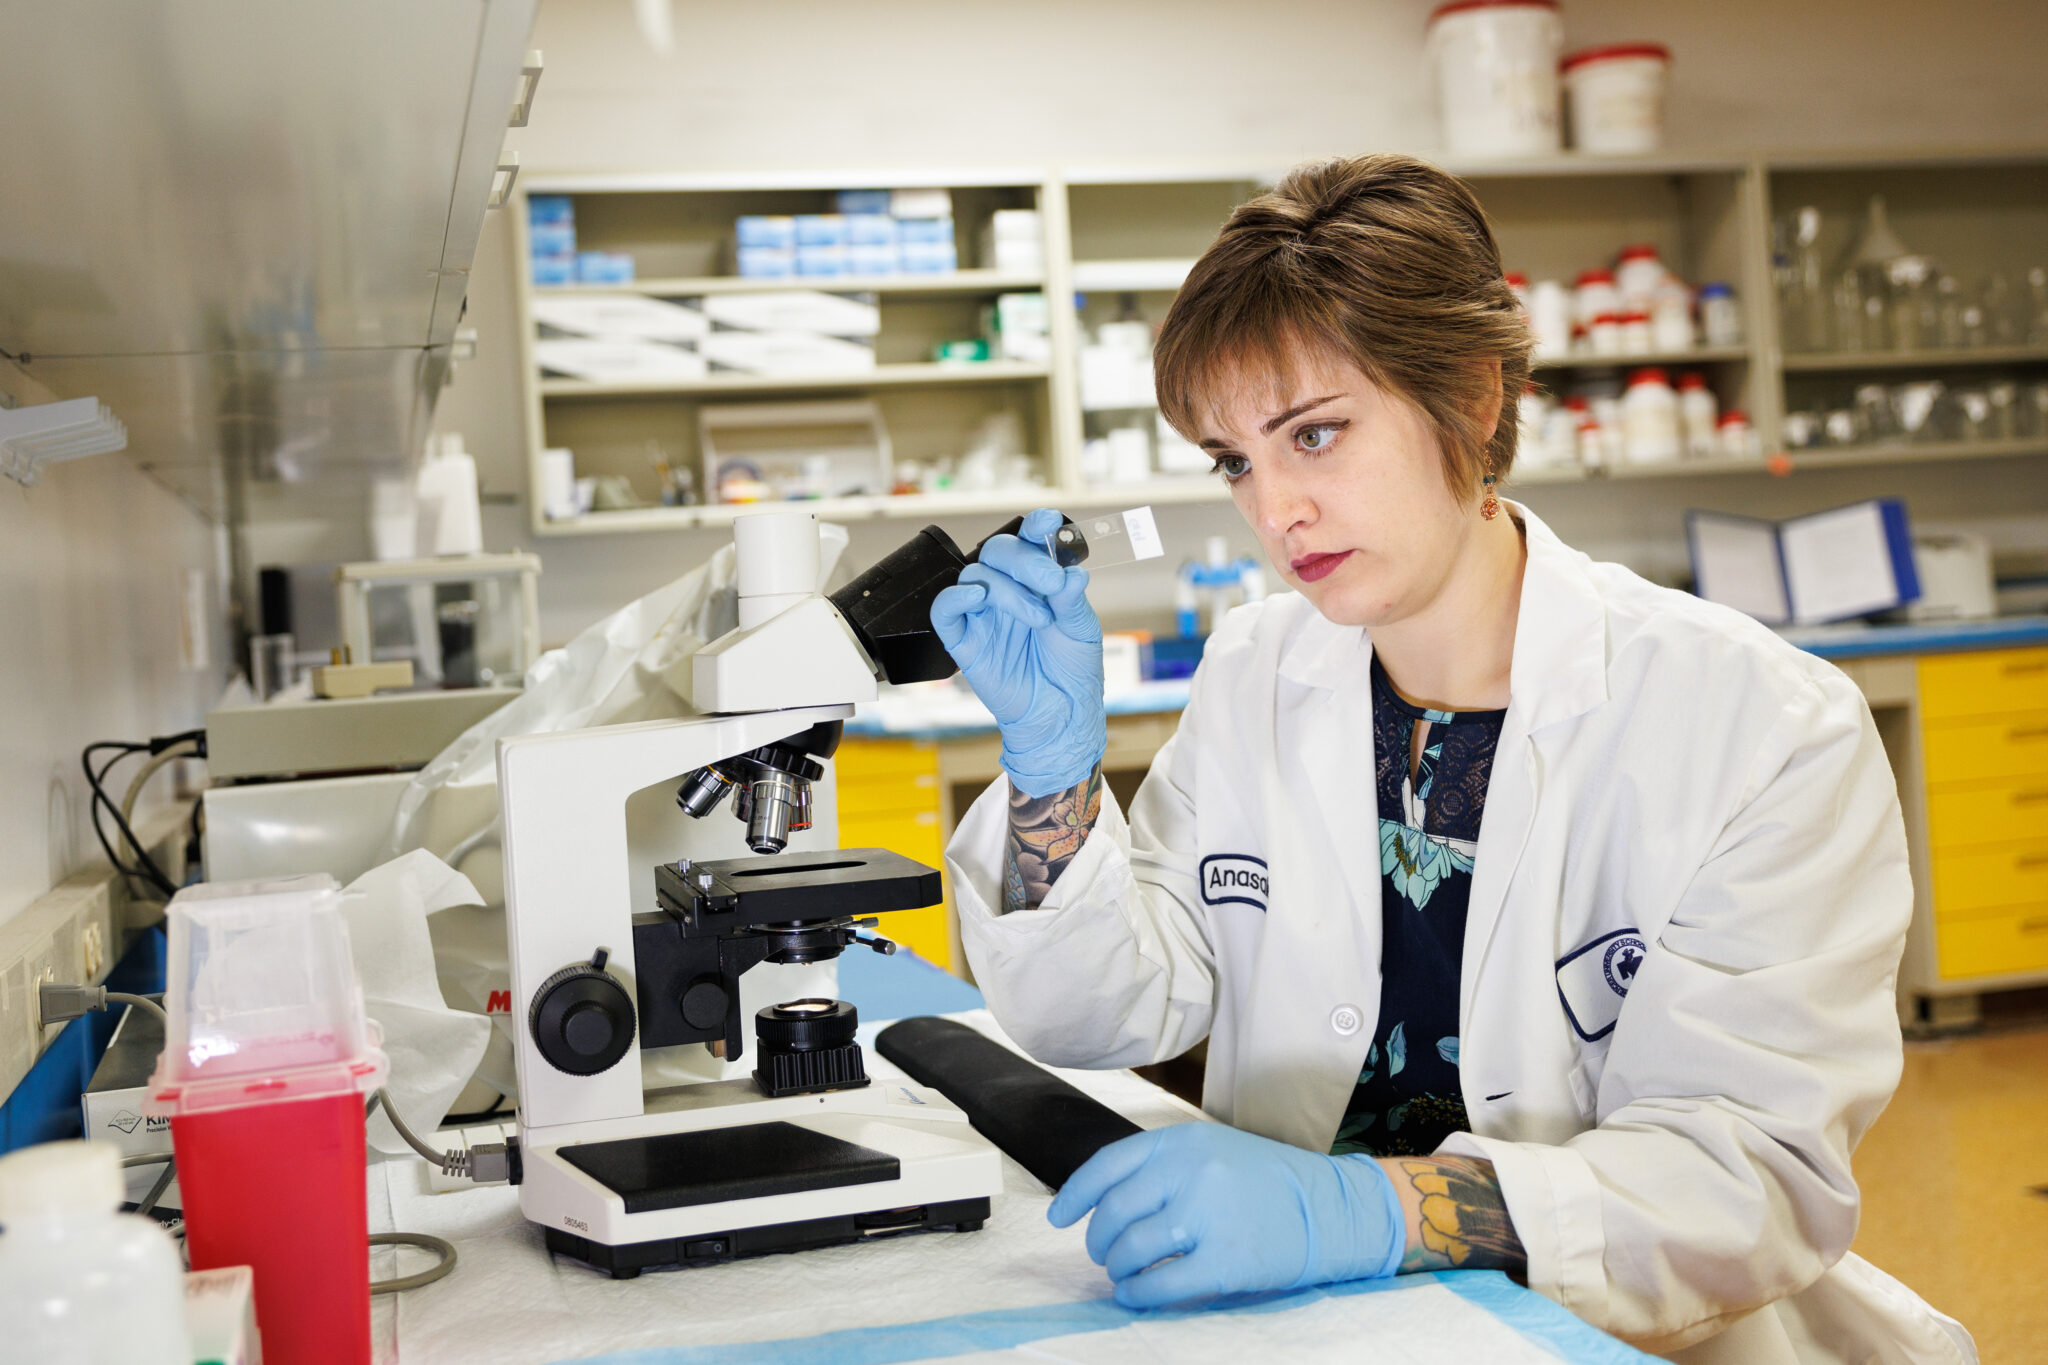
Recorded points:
1984,753
1994,945
1988,813
2014,746
1991,683
888,794
1968,882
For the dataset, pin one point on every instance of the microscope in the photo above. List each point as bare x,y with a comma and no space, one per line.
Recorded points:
805,1152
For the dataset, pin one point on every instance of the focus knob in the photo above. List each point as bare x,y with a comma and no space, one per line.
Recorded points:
582,1018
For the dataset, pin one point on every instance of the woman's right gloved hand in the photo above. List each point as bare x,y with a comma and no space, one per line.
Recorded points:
1020,627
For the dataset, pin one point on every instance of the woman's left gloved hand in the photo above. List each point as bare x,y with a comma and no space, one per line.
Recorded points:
1238,1213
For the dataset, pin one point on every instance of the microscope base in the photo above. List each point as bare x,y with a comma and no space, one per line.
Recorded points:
626,1262
718,1171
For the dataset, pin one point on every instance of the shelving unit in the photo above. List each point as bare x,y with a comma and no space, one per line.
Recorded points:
695,286
1125,237
1967,358
898,376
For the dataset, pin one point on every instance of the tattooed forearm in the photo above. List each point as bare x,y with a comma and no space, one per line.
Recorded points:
1045,834
1457,1217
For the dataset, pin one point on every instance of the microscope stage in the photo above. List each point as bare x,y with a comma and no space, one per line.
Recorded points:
717,1171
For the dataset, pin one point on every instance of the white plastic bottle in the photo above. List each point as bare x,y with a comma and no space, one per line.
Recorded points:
1650,418
1698,413
79,1282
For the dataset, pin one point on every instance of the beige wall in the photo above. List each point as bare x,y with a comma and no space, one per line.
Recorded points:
93,575
819,85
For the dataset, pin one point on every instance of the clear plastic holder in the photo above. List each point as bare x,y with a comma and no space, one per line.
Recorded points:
262,999
1108,540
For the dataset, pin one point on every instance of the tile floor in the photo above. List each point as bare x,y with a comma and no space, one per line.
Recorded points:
1951,1178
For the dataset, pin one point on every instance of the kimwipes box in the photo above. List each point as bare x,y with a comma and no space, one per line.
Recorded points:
113,1104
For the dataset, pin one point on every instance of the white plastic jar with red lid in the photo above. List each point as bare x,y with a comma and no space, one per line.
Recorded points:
1616,97
1638,272
1496,65
1649,418
1596,294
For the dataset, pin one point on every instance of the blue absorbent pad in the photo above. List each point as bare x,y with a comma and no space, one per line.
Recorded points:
1099,1330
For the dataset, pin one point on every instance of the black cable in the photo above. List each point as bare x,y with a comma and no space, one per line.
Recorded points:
470,1120
146,866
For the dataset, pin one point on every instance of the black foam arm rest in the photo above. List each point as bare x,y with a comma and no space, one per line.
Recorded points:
1048,1126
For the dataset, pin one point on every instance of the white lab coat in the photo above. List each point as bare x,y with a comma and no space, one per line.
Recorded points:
1676,1007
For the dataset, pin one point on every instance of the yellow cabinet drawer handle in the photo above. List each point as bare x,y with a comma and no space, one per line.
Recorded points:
2028,732
2029,666
2031,860
2033,798
2037,924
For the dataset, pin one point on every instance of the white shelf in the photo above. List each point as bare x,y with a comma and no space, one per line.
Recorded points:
1821,362
1131,277
1832,457
691,286
1697,355
923,375
908,505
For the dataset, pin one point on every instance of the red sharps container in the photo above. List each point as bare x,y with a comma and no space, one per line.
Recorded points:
265,1067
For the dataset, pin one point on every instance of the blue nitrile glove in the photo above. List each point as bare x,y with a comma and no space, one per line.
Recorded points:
1021,629
1239,1212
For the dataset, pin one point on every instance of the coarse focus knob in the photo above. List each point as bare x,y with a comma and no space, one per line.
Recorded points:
705,1003
582,1019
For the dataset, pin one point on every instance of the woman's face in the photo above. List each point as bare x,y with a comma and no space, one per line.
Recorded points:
1343,482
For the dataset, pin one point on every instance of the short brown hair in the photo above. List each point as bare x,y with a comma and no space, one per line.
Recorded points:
1382,261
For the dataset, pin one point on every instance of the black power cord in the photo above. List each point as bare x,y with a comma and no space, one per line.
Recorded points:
144,867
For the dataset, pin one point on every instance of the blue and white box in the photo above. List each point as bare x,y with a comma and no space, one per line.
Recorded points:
928,258
822,261
604,267
870,229
820,229
921,230
872,260
767,262
769,231
554,270
863,201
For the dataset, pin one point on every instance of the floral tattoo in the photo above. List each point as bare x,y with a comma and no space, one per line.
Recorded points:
1045,834
1464,1223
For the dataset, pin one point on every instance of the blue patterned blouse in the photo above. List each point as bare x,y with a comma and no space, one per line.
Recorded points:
1407,1098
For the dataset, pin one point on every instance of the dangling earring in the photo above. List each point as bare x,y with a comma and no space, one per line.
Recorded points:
1490,508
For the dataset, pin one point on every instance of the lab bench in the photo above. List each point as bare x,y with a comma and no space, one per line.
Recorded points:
1962,708
1019,1289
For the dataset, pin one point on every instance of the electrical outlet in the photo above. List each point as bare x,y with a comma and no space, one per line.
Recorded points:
66,937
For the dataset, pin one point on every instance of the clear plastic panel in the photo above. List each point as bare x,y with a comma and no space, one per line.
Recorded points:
262,998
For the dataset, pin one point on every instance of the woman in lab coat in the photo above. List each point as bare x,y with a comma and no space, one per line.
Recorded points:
1537,917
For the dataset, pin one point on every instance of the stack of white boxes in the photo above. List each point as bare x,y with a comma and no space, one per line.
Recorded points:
791,333
620,338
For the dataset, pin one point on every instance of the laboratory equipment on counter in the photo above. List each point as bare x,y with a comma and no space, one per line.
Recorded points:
267,1057
805,1153
81,1283
463,621
1496,76
1212,584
